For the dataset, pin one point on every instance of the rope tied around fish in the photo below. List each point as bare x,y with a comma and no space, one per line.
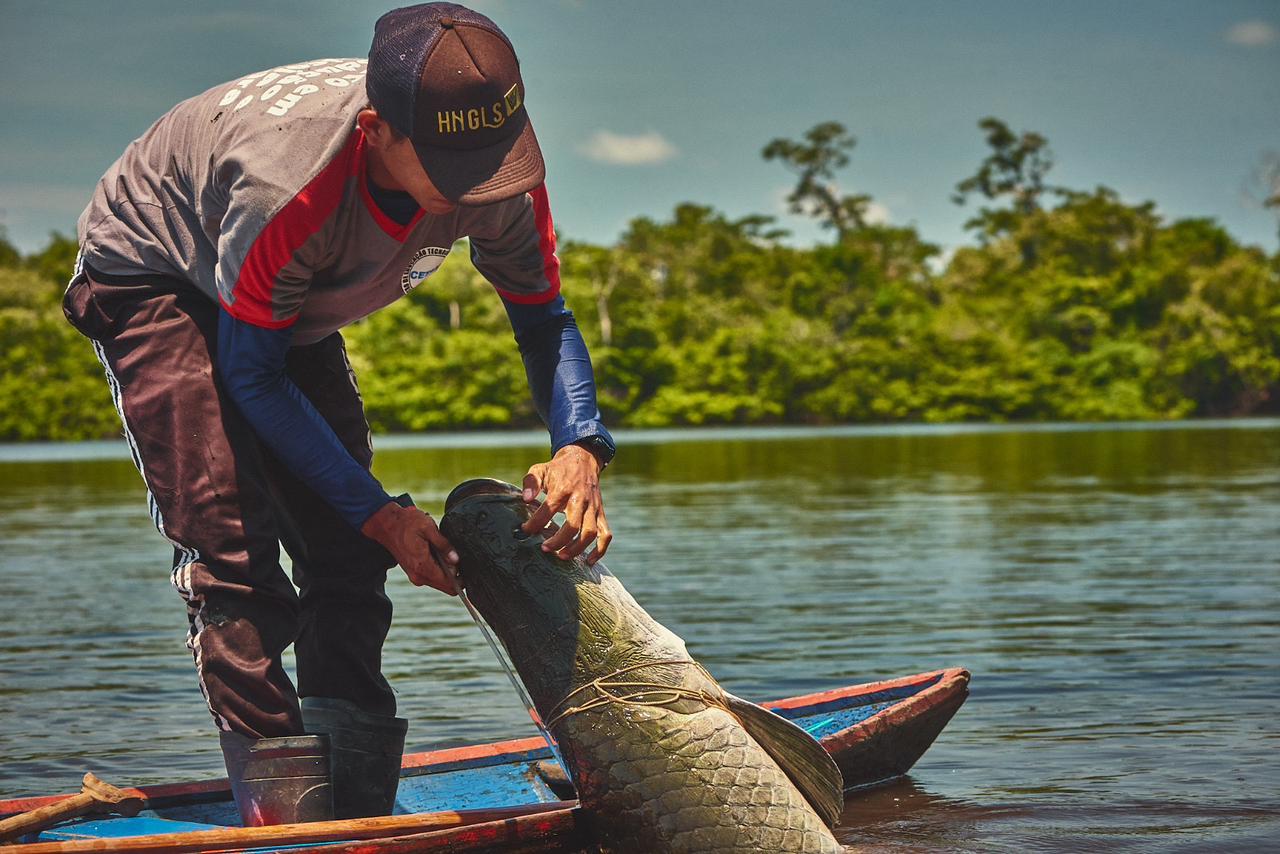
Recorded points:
651,694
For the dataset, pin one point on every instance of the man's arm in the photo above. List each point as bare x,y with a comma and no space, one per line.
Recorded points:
251,363
564,392
561,379
264,271
518,258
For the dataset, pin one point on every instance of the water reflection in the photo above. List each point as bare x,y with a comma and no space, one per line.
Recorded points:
906,816
1115,593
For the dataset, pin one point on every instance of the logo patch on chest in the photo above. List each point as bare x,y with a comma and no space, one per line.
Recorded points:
423,263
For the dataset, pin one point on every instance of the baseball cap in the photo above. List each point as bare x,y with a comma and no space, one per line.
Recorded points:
447,78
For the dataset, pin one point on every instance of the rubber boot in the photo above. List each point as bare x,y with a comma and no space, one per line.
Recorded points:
365,753
279,780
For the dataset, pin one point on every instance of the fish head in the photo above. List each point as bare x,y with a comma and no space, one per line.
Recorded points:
482,520
528,597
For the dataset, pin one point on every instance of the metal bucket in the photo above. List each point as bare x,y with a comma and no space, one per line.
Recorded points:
286,780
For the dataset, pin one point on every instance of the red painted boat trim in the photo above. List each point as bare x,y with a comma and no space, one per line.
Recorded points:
946,676
951,689
474,751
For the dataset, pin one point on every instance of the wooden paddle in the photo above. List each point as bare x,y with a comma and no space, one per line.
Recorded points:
279,835
559,830
96,797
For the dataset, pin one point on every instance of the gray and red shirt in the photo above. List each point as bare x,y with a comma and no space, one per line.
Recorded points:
255,193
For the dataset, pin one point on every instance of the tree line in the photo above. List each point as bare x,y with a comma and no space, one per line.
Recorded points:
1070,304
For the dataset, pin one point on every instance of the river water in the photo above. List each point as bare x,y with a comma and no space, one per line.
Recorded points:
1115,592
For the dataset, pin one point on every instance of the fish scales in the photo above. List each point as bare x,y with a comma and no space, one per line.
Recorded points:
701,785
658,761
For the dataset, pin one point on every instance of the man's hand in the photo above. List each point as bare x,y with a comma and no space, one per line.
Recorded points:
417,545
571,481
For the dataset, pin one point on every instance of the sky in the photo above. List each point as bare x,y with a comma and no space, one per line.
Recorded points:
640,106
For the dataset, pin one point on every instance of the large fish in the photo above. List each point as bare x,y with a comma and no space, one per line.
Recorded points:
662,757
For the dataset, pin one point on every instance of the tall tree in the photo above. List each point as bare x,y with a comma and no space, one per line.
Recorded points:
815,159
1014,171
1015,168
600,268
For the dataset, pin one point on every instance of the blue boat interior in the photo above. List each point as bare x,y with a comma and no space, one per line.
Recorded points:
480,783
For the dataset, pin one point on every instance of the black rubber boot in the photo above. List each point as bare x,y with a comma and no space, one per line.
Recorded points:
279,780
365,753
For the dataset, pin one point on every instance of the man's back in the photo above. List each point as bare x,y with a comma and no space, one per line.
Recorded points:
163,205
255,193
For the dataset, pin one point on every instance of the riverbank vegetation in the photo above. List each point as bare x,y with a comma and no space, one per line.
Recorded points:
1070,304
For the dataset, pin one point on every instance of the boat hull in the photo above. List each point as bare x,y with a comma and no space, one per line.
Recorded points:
874,731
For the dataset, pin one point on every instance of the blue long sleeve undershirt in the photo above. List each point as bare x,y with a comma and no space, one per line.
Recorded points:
251,361
558,367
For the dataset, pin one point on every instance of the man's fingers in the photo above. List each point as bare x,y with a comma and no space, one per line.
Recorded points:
602,543
570,484
574,513
585,538
429,573
414,541
583,526
540,519
450,568
560,538
533,483
532,489
444,582
545,513
441,547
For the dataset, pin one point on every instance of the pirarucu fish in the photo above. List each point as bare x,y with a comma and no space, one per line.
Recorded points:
663,759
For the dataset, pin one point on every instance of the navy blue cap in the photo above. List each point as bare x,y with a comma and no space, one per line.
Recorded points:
447,78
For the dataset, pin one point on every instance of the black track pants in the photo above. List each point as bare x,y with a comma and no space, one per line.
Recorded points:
226,504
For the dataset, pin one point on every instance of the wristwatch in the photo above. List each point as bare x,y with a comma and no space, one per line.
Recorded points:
600,447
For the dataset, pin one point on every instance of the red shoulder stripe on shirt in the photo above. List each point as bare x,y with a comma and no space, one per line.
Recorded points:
287,231
547,244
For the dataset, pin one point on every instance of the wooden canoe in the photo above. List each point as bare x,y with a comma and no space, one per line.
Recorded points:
500,796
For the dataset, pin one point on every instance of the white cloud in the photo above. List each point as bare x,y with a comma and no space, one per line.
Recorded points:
877,214
1253,34
621,150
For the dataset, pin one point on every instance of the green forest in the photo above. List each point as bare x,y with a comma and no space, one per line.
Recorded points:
1069,304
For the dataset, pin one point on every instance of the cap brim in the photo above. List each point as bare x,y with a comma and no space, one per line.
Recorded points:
483,175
